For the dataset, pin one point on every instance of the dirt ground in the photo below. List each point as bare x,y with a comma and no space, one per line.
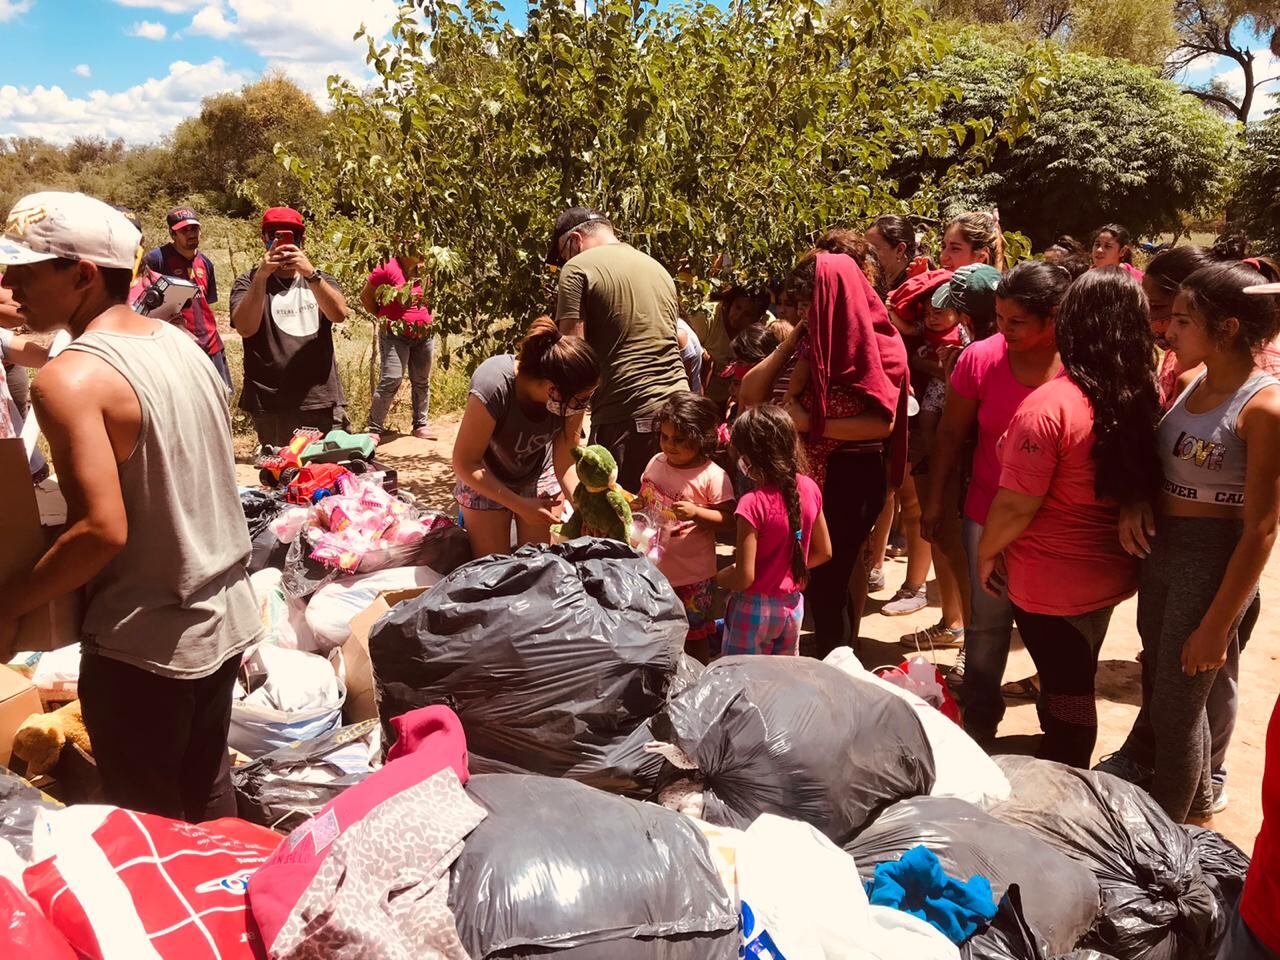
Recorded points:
424,469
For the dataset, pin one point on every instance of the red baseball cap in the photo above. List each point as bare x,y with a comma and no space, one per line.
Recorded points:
282,217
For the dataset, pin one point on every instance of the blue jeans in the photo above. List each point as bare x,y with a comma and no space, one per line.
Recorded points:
400,356
986,646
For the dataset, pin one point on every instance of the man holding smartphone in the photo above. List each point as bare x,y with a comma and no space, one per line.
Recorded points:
285,308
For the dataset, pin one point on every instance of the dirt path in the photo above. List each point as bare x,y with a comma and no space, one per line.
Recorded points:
424,469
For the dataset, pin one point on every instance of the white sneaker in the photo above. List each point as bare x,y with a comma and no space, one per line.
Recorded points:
875,580
905,601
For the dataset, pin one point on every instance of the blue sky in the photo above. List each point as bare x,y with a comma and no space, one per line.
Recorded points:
135,68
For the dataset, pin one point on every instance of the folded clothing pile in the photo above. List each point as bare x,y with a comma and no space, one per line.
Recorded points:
554,657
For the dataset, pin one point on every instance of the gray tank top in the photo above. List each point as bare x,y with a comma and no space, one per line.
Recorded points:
176,601
1203,457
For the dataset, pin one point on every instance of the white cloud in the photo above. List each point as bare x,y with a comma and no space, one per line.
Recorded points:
14,8
306,40
141,114
1266,66
211,22
310,31
148,30
168,6
82,70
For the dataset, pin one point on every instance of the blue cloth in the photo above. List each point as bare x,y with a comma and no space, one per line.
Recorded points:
916,885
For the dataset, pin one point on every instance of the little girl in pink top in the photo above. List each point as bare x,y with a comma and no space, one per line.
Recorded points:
782,534
688,497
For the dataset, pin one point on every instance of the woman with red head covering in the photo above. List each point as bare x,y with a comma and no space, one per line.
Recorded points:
851,405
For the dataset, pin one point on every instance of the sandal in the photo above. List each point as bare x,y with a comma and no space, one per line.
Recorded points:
1026,689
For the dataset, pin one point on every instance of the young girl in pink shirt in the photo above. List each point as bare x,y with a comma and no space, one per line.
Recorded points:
688,497
782,534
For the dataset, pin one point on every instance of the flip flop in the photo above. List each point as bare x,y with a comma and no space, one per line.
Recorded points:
1024,689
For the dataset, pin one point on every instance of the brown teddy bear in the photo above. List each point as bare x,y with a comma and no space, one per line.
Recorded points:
40,739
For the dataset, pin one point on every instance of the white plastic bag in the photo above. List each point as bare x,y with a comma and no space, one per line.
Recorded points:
332,608
962,768
57,673
802,899
283,617
301,699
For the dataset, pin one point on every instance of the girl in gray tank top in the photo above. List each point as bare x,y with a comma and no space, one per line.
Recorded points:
1212,530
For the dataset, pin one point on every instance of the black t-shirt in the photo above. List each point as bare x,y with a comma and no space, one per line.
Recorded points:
288,362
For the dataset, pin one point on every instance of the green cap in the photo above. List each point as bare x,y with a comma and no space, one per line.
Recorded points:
971,290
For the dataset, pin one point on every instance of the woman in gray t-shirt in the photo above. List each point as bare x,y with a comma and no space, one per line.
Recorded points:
522,411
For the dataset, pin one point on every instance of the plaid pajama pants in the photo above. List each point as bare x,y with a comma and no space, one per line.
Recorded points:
755,623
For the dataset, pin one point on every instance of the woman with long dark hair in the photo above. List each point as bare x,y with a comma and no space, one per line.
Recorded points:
1112,246
1214,524
1078,449
893,240
990,380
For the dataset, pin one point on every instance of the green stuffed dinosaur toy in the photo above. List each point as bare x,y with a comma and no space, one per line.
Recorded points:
600,507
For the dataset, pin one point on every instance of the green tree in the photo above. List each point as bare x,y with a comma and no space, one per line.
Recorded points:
709,136
1138,30
1111,142
1255,208
1210,28
227,153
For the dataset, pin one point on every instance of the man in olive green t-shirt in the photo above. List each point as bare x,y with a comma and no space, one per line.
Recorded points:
624,303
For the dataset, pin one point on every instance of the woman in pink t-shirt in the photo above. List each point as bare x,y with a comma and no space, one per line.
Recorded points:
991,378
1078,449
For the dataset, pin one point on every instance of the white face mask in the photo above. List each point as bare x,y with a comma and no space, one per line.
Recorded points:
557,408
744,466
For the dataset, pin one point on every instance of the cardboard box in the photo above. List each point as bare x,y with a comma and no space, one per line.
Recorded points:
25,539
19,699
362,691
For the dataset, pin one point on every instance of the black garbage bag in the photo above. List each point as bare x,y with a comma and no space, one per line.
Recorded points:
1224,866
1010,937
1059,897
19,804
799,738
553,657
283,788
561,869
260,508
1156,904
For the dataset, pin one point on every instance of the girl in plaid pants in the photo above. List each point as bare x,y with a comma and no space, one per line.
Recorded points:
781,535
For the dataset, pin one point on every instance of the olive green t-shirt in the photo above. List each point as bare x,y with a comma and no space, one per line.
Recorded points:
627,304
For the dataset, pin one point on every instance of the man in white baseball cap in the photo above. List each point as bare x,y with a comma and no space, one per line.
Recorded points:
137,420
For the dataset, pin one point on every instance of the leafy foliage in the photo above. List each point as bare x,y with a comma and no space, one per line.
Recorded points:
1256,206
711,137
1137,30
1112,142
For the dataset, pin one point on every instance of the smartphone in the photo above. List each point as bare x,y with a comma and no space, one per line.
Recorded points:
281,238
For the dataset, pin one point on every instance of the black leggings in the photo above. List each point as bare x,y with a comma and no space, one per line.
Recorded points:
160,743
852,498
1065,651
